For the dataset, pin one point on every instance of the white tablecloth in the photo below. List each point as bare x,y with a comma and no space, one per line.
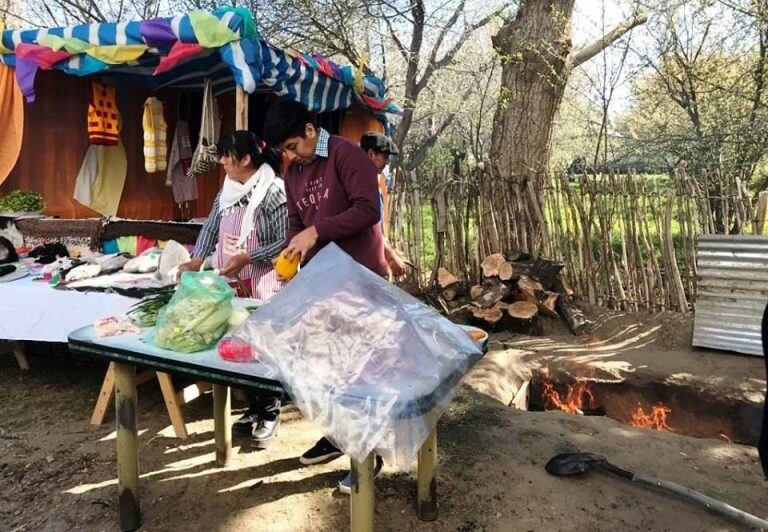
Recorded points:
35,311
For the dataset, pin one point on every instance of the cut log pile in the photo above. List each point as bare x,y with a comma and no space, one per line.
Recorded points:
516,291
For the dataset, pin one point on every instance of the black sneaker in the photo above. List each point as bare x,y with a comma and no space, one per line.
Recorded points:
345,484
244,425
322,451
264,432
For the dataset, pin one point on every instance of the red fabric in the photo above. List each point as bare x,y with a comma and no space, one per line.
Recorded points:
42,56
143,243
179,52
340,197
373,103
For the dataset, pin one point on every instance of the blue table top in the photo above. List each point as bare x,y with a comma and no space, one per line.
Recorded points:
206,365
209,366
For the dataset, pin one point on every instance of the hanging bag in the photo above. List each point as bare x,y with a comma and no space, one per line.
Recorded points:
205,158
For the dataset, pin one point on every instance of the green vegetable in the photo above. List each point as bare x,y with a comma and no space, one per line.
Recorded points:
197,316
21,201
145,312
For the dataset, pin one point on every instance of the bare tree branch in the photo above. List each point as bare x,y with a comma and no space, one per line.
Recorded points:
587,52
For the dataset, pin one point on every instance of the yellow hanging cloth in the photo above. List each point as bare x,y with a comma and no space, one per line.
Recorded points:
101,178
11,121
155,146
103,116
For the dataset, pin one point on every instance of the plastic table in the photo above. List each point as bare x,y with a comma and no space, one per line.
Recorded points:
128,351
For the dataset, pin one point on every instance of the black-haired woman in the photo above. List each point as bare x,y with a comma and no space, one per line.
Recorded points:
246,228
244,233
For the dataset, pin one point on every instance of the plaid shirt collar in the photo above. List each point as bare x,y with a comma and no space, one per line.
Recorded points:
321,150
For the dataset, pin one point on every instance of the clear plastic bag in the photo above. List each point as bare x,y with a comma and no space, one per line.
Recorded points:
372,365
197,315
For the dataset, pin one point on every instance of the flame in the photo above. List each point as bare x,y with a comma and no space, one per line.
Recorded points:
574,402
656,419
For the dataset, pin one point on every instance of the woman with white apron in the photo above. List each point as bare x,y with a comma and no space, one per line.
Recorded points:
244,233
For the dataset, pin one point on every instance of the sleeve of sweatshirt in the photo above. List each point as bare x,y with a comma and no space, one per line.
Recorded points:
358,176
295,225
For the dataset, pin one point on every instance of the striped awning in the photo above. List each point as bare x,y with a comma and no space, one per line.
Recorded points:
183,51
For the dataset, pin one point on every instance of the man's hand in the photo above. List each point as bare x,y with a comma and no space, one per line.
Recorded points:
236,264
191,266
301,244
394,261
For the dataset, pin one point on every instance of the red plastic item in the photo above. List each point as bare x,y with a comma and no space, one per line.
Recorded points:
235,350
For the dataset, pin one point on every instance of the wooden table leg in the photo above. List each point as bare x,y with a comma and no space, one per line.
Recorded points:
105,396
361,503
127,446
172,405
21,358
222,421
427,478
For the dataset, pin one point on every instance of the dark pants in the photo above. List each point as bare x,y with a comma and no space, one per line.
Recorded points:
268,408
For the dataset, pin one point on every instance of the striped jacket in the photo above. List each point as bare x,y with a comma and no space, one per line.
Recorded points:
271,223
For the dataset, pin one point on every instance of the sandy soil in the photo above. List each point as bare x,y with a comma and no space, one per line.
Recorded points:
56,473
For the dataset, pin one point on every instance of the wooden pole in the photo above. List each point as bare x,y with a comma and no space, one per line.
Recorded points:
222,421
241,108
362,500
427,478
127,446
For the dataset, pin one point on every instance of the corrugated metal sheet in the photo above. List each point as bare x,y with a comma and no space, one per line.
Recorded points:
732,292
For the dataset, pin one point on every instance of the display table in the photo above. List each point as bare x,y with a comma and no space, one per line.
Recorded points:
127,351
33,310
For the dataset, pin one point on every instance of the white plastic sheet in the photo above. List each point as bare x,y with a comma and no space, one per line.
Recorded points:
372,365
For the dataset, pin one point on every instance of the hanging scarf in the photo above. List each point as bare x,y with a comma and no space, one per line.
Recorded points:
257,186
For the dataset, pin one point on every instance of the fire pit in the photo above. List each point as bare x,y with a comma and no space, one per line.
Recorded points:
657,406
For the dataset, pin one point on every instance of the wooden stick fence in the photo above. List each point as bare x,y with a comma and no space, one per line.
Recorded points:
628,240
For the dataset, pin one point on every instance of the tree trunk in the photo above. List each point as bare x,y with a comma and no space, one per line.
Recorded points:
534,48
536,56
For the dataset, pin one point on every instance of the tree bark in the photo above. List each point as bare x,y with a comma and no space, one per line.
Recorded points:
535,49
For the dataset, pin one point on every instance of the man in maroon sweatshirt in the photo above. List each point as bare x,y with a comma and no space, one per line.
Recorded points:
331,187
332,192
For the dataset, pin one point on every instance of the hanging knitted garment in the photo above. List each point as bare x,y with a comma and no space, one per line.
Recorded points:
103,116
155,147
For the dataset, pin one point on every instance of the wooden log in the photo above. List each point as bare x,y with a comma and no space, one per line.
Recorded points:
491,265
577,322
446,278
523,310
524,318
543,270
476,291
491,295
489,319
528,288
507,272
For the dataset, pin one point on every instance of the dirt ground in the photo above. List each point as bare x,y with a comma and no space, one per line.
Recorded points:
57,473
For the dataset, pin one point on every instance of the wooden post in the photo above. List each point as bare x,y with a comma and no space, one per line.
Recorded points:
361,503
427,478
241,108
127,444
222,417
21,358
762,203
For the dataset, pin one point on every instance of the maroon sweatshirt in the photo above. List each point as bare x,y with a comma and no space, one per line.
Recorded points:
339,195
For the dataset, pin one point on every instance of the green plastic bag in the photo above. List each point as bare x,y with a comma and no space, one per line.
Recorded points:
197,315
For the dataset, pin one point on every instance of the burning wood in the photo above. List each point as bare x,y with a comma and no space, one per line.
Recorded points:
578,398
656,419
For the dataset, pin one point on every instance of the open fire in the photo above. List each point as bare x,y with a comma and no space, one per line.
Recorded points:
578,398
656,419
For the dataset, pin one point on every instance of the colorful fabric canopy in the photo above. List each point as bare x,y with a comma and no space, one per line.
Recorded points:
183,51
